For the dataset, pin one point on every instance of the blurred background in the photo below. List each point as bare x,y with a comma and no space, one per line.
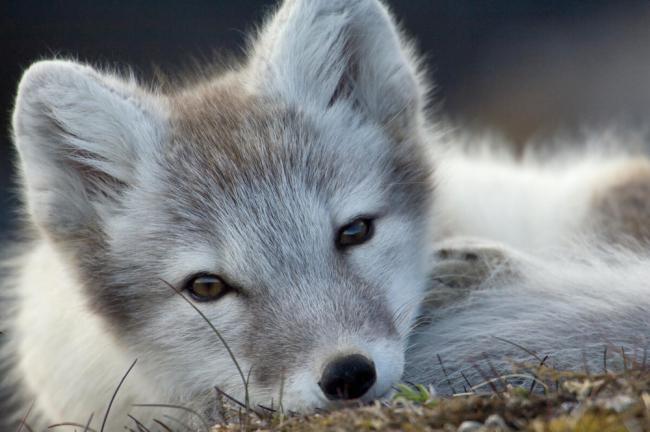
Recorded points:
523,68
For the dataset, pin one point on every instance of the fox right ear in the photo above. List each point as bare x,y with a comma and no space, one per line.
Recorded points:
317,53
80,135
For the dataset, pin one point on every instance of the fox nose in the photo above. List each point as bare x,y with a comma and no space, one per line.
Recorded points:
348,377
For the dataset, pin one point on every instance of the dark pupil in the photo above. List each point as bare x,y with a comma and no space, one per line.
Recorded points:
207,286
355,232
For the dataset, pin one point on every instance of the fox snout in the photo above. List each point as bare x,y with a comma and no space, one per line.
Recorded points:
364,373
348,377
361,371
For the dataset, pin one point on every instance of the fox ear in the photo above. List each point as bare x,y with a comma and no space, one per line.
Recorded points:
80,135
320,52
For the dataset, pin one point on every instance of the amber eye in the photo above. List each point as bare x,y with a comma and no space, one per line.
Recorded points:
205,288
357,232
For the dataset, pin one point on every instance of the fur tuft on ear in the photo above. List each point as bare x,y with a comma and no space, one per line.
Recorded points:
80,135
317,53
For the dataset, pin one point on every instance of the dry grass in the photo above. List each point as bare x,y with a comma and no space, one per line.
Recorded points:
561,402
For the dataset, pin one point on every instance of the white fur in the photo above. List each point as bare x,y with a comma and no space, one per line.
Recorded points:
529,204
79,355
551,284
568,304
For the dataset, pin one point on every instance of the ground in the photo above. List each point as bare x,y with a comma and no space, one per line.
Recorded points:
557,402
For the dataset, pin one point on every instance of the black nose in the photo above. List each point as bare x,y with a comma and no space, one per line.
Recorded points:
348,377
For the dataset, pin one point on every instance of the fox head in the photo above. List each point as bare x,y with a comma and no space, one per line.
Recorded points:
287,199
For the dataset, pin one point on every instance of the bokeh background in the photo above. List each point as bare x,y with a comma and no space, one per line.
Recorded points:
523,68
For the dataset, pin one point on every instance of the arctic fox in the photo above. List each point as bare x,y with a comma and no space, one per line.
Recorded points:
305,203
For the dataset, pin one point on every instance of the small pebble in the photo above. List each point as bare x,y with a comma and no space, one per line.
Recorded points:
567,407
470,426
495,421
618,403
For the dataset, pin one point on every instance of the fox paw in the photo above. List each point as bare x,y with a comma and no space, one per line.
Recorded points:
467,262
462,265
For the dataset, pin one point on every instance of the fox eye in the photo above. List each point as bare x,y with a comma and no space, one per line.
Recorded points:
356,232
206,287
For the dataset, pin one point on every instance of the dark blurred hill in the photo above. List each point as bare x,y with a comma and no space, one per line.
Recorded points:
522,68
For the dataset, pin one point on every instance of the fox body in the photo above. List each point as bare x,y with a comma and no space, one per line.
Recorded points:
252,177
539,262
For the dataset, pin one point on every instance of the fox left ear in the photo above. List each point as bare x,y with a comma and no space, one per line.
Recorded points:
317,53
81,136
